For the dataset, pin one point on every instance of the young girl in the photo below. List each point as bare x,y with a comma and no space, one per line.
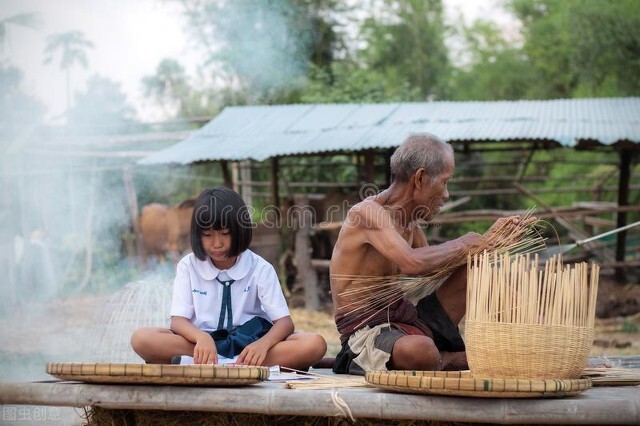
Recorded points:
227,300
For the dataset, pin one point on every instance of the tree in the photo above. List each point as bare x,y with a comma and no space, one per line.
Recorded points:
100,108
72,46
170,88
262,49
405,41
347,82
18,111
495,67
581,48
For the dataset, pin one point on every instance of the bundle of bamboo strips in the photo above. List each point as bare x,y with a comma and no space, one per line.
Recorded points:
327,382
613,376
322,381
370,295
524,322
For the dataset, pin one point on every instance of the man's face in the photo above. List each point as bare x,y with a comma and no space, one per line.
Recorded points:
434,191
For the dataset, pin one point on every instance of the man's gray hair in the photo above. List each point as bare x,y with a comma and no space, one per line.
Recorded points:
419,150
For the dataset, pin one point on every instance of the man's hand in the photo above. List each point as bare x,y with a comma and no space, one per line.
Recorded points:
471,240
205,350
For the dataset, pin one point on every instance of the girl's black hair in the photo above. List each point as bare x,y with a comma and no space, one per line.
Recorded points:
220,208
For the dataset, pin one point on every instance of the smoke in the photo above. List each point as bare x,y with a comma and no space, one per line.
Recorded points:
67,244
266,44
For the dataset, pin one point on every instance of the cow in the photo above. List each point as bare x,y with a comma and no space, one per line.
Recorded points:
165,230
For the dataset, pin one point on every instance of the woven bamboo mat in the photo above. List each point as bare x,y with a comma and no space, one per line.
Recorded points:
461,383
158,374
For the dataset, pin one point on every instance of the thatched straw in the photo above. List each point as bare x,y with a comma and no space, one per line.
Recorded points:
99,416
374,294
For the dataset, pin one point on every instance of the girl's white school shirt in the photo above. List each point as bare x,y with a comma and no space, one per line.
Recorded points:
197,295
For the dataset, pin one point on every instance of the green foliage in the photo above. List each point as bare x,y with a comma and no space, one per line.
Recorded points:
263,48
496,68
581,48
171,89
629,327
405,41
346,82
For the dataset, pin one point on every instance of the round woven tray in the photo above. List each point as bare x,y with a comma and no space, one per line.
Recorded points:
462,383
158,374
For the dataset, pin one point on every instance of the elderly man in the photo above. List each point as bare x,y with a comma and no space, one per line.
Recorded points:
381,236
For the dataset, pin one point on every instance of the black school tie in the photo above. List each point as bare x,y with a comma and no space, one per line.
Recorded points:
225,308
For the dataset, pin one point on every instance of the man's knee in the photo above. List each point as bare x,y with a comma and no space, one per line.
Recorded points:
415,352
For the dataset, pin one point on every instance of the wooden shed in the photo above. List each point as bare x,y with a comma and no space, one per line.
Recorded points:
242,139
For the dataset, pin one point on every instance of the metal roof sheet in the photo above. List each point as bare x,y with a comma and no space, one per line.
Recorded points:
261,132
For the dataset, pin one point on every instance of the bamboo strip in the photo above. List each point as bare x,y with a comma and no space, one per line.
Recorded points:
525,322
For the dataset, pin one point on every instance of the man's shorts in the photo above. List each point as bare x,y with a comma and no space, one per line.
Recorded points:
369,349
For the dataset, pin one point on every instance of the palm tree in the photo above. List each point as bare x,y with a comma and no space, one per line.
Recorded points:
72,46
28,20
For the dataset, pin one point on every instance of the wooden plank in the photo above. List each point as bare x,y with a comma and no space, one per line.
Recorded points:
601,405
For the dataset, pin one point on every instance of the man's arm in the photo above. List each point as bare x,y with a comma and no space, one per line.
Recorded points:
377,226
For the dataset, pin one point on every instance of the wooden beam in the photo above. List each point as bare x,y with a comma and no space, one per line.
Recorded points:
575,232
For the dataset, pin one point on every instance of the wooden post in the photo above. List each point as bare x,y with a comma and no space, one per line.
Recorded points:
234,177
387,164
307,276
226,174
623,200
275,197
369,166
132,199
245,178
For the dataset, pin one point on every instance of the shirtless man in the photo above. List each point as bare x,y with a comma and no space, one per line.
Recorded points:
381,236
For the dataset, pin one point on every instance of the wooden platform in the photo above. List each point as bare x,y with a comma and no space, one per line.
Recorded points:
599,405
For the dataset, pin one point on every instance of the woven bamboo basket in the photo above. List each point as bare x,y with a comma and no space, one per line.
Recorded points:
532,351
526,323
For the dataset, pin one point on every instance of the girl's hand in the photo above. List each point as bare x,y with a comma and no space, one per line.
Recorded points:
205,350
254,353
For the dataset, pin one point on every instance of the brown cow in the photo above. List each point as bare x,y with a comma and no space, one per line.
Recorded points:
166,229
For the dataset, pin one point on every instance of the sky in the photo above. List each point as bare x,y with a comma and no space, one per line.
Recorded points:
130,36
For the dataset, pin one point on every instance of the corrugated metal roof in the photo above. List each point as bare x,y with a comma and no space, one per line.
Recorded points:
261,132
